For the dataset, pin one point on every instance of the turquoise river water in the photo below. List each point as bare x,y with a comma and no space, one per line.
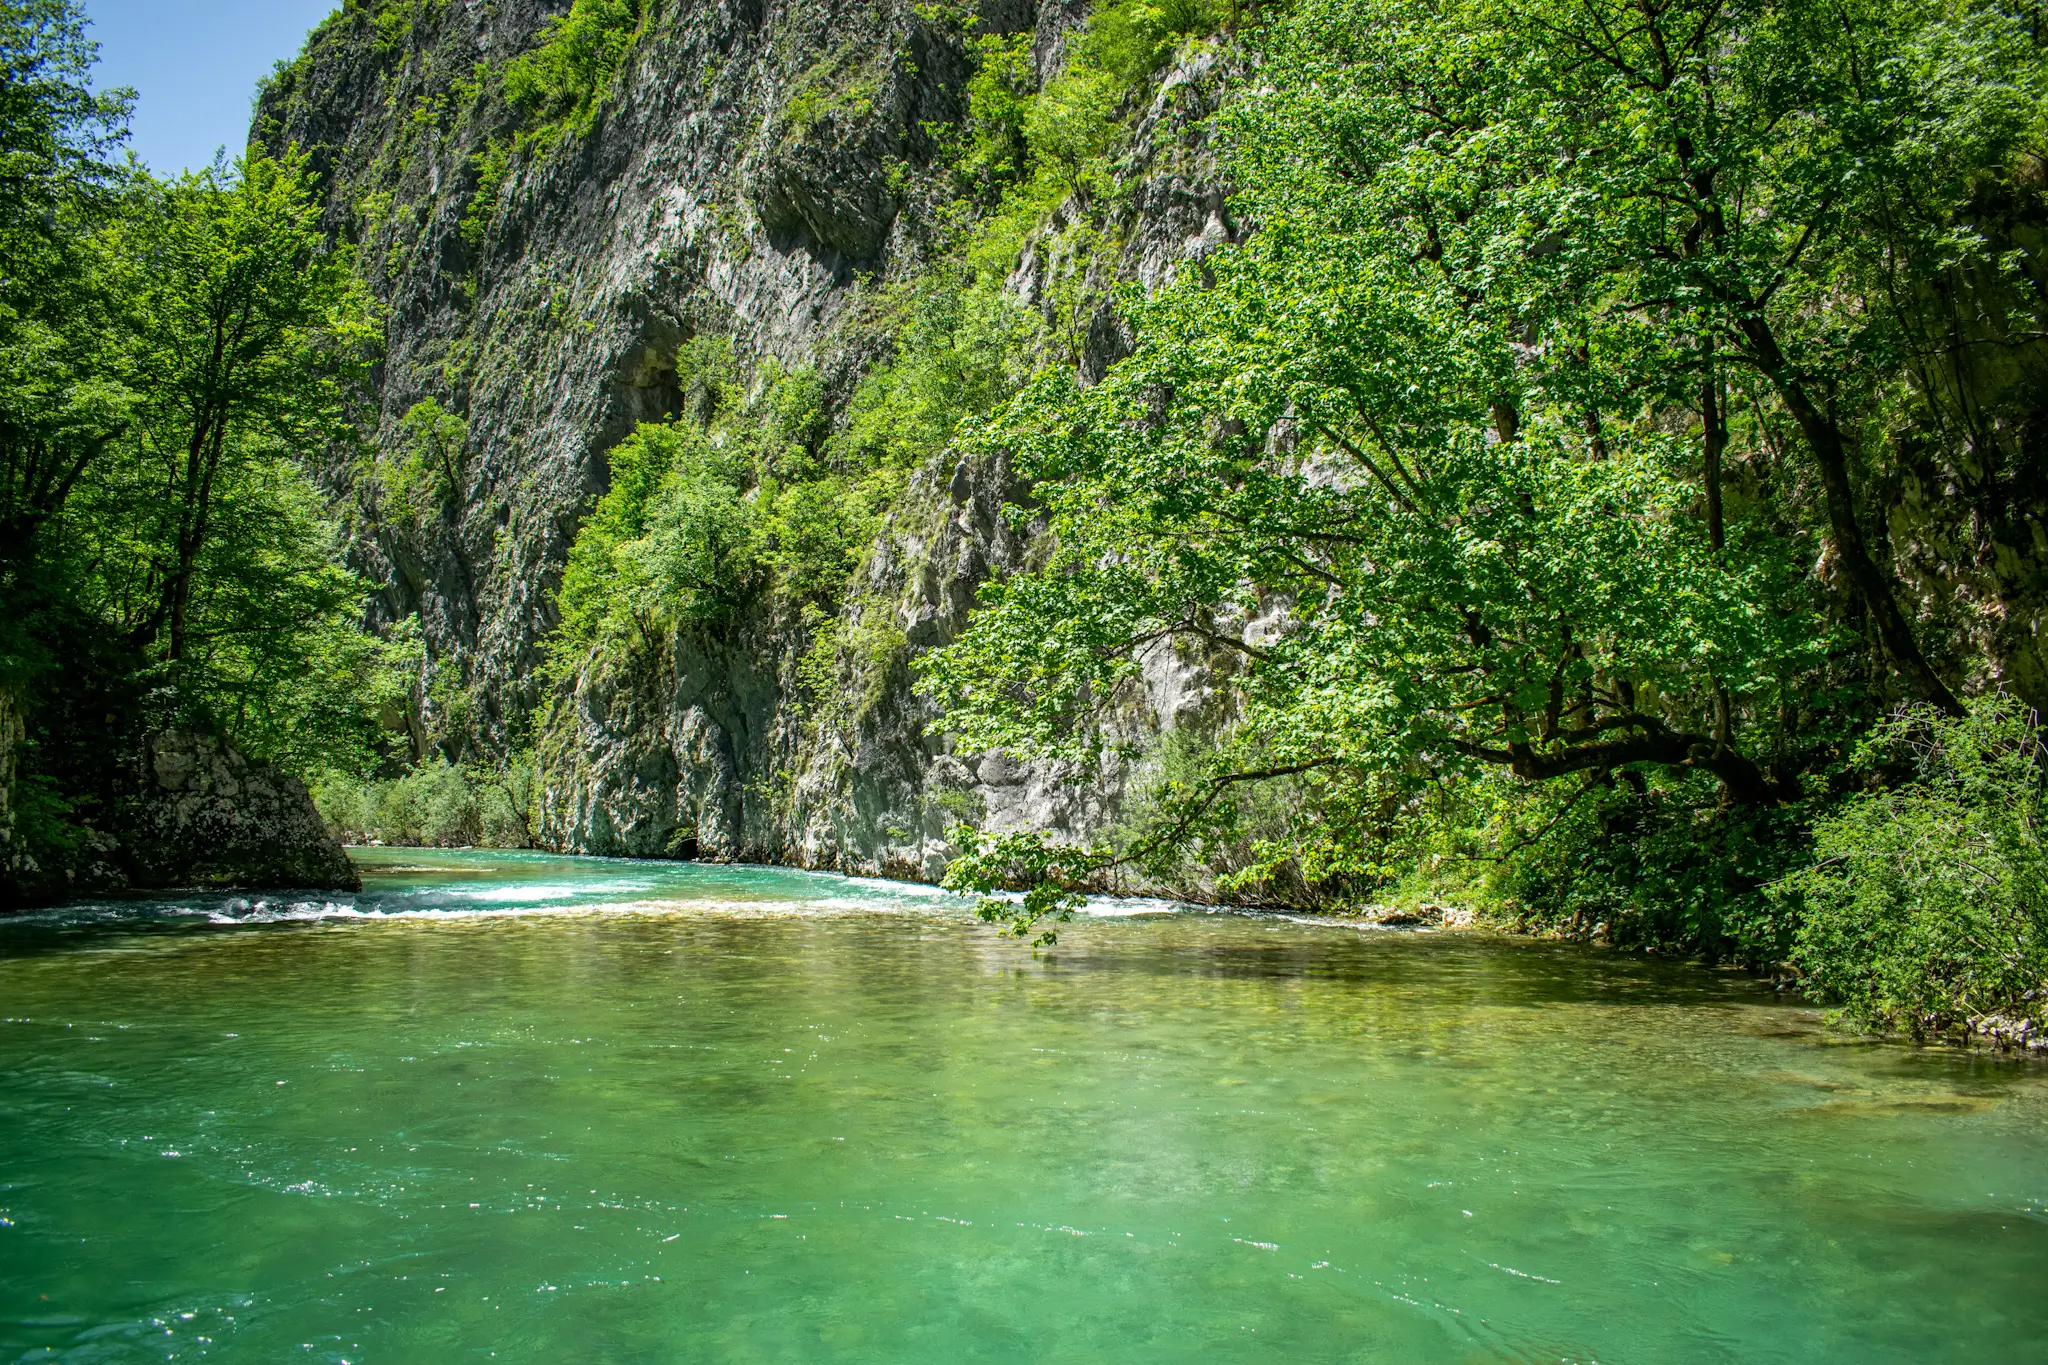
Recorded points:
528,1109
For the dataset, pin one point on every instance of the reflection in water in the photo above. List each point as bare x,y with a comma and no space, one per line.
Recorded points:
568,1109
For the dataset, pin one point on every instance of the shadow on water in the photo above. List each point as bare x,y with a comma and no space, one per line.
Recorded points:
1528,971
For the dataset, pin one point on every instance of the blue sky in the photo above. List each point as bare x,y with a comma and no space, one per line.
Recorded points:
194,65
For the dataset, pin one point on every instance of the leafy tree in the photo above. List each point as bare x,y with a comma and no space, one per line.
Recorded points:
196,537
244,325
169,354
421,473
59,408
1437,461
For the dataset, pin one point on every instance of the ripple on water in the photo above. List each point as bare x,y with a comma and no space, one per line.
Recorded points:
596,1110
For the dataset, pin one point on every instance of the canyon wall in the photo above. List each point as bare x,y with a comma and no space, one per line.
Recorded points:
757,171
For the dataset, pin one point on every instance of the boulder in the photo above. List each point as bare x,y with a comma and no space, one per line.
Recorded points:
201,813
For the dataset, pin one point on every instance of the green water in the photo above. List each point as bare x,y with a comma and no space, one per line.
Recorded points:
527,1109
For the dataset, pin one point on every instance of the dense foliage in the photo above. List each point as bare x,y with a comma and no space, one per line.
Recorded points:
171,350
734,502
435,804
1500,458
1927,912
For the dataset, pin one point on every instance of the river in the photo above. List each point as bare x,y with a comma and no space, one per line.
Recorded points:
514,1107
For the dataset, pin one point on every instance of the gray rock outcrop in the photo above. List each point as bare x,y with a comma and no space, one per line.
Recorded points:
185,811
203,814
12,733
756,169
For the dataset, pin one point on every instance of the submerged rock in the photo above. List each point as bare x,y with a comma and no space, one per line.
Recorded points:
1425,914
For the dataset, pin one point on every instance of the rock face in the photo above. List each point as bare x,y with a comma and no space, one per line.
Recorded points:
755,171
186,810
202,814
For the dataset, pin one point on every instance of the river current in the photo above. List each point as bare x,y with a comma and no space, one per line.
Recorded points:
528,1109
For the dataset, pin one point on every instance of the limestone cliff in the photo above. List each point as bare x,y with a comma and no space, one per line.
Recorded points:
755,171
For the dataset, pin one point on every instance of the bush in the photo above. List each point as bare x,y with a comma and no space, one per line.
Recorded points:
817,532
745,498
1927,911
837,86
1045,143
1665,866
437,804
1129,39
559,83
999,97
701,555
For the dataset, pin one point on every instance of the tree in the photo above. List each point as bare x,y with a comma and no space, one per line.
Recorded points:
1454,426
58,411
245,324
194,541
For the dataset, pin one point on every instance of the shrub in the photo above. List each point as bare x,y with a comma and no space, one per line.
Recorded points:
437,804
433,804
606,581
690,532
1665,865
422,472
559,83
1129,39
1927,910
701,556
1052,141
508,801
1066,128
999,96
836,86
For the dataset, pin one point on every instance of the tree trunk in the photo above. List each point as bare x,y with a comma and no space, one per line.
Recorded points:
1716,446
1872,584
